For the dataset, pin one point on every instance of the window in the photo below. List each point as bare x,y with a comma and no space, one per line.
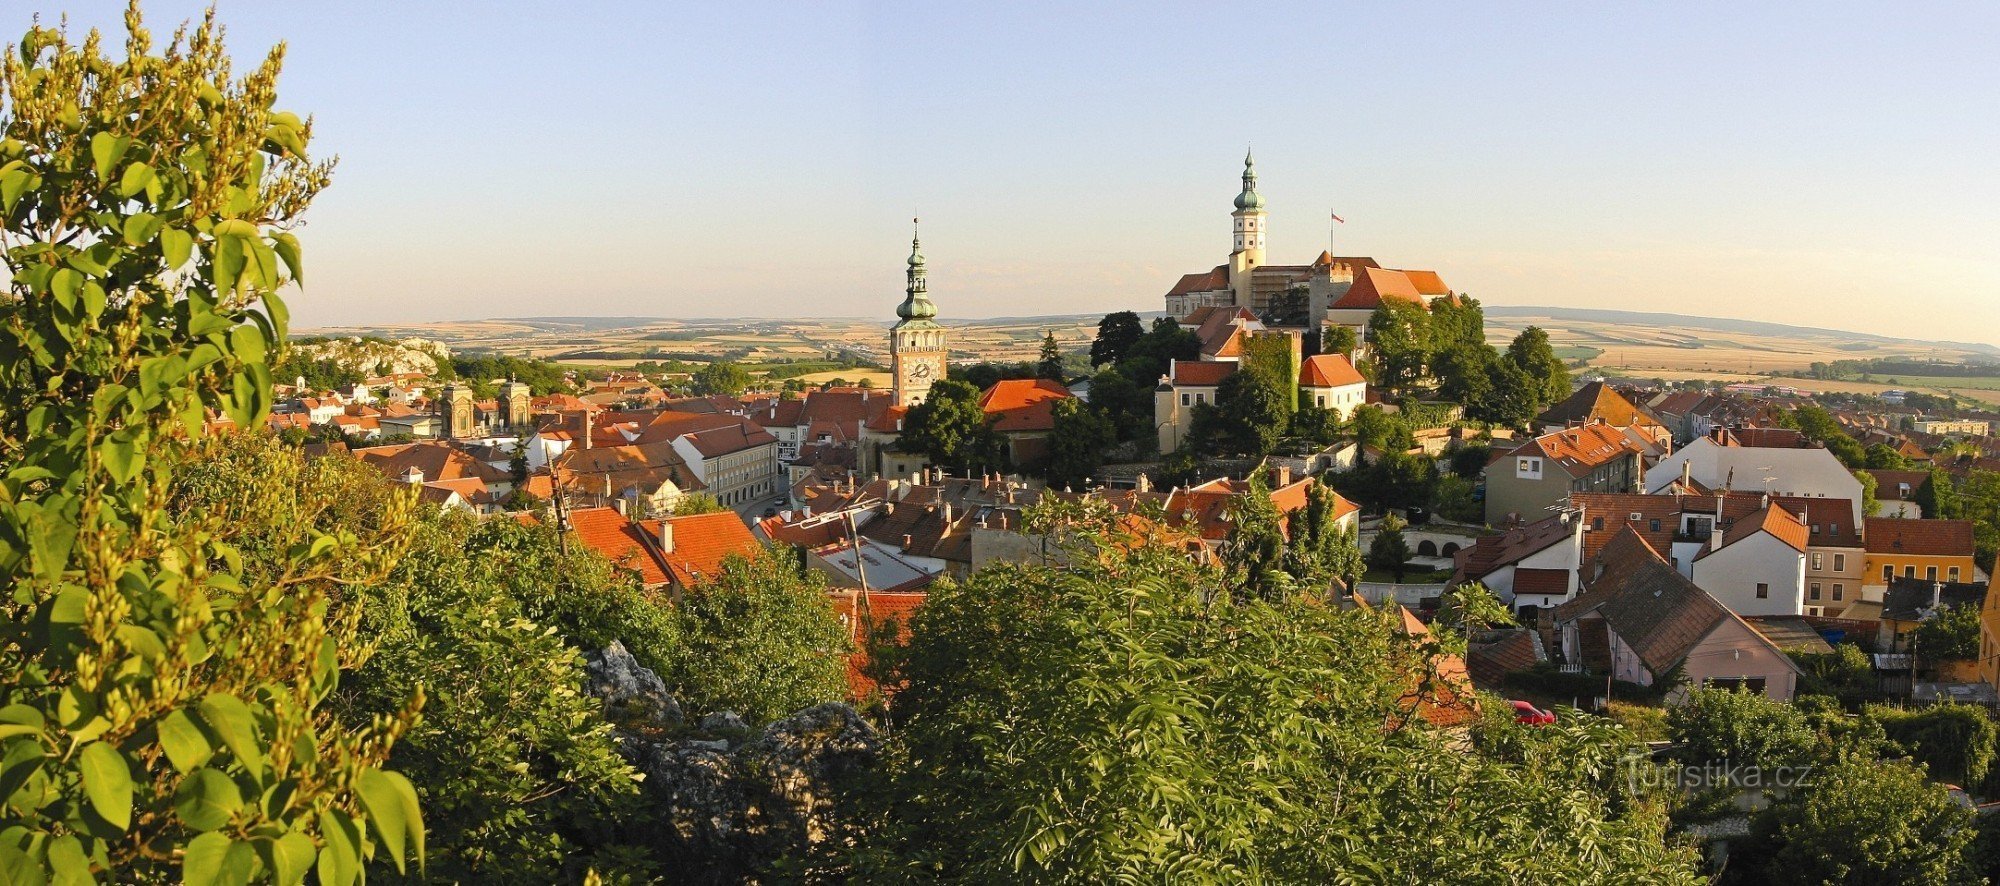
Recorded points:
1187,399
1528,468
1817,562
1910,571
1597,524
1840,562
1815,591
1953,574
1837,588
1653,525
1930,573
1763,591
1888,572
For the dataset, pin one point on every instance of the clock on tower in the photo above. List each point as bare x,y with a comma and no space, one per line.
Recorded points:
917,344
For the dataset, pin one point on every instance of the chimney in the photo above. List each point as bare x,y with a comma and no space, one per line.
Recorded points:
586,430
1687,474
667,536
906,541
1284,475
1937,594
947,516
1144,483
1764,502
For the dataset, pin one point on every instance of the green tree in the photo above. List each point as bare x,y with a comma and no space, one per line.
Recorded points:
1150,356
1389,550
1884,457
759,638
1128,719
1870,822
1536,358
691,503
1472,607
1255,410
1950,635
1741,727
1129,406
1871,501
1077,443
1376,429
157,709
1338,339
721,378
1318,551
1955,742
1049,364
1317,424
1399,332
1938,497
1116,334
951,429
1253,554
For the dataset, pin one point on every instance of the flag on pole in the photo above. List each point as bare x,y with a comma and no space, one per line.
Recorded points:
1339,219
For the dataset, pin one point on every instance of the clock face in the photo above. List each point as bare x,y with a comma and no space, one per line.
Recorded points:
920,369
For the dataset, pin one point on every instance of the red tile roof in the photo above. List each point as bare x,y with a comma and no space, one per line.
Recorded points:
1328,371
701,543
1210,281
437,460
1929,538
610,534
1541,581
1597,402
884,607
1372,285
1579,451
1023,404
1777,521
1200,373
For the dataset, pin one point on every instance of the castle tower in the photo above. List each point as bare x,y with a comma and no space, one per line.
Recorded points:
514,403
456,405
917,344
1248,251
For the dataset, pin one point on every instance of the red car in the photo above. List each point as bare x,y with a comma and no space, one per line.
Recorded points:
1529,715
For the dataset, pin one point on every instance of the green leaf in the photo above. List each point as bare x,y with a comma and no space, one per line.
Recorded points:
67,860
137,176
290,857
247,342
207,799
14,183
107,781
121,456
340,857
187,746
64,286
175,246
231,719
381,798
140,229
105,151
23,759
287,247
212,859
260,259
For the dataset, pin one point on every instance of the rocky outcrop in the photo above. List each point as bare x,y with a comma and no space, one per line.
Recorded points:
634,697
371,357
731,800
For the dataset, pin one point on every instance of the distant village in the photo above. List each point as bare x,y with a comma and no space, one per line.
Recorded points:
1704,534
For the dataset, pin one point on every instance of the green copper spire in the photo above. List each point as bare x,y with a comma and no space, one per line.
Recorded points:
1249,199
916,304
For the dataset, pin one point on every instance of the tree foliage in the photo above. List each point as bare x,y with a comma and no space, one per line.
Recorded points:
951,429
721,378
1077,442
1116,334
1870,822
1135,719
1049,363
159,707
759,638
1389,550
1400,334
1546,376
1746,728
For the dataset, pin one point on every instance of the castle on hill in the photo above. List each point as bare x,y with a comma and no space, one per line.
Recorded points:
1339,290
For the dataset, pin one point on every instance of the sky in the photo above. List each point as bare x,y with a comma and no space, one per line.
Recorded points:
1827,164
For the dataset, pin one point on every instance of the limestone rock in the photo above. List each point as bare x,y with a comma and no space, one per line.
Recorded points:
634,697
723,721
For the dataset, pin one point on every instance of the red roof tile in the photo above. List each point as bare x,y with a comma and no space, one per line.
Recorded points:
1328,371
1200,373
701,543
1023,404
1929,538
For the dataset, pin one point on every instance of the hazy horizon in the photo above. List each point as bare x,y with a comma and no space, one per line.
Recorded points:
1811,167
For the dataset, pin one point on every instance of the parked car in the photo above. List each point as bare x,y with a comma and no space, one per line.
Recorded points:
1528,715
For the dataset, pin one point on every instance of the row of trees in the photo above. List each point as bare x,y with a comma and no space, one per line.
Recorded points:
1446,345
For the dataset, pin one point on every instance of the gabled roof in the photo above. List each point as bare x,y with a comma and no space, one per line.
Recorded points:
611,535
1328,371
1657,611
1221,330
1373,285
1597,401
436,459
1927,538
1579,451
701,543
1907,598
1773,520
1199,373
640,466
1207,281
1889,484
1491,552
1023,404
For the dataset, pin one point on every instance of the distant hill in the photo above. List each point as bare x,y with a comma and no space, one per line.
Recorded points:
1719,324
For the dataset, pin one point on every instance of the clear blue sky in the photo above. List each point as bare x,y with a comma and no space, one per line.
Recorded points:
1823,164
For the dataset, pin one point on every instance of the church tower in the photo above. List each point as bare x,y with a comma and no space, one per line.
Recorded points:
1248,252
917,344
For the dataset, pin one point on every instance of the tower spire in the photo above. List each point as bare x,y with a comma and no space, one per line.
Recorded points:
916,298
